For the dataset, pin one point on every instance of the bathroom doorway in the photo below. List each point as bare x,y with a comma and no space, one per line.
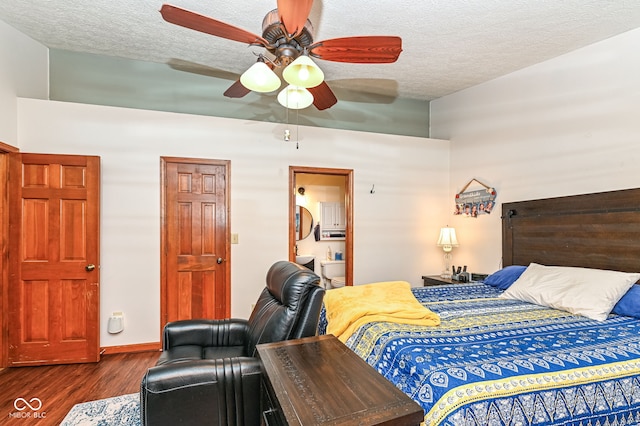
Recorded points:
344,177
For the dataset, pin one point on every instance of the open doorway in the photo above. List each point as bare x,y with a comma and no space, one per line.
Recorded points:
338,182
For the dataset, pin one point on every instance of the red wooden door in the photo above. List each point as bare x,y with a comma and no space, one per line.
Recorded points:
53,259
195,267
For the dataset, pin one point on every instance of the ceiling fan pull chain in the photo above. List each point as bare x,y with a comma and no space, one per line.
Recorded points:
297,129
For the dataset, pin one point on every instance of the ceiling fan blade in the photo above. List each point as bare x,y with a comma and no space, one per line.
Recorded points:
236,90
204,24
323,96
294,14
359,50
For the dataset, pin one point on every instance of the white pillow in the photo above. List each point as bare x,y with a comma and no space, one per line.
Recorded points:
583,291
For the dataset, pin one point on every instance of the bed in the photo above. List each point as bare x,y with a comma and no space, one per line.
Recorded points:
498,361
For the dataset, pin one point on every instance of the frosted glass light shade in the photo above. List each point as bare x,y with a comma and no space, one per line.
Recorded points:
447,239
294,97
260,78
303,72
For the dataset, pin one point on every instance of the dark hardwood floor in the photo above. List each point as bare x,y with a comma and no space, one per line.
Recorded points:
60,387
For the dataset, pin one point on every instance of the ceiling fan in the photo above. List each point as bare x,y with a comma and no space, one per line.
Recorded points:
287,35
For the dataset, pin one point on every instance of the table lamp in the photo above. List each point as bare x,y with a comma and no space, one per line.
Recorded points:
447,241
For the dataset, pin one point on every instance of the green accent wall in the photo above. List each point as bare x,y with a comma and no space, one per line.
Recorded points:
191,89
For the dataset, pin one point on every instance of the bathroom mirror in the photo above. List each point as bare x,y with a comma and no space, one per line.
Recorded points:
304,223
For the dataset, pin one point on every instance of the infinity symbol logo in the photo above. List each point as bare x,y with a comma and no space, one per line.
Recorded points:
22,404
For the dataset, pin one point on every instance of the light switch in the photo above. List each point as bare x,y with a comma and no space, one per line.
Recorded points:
234,238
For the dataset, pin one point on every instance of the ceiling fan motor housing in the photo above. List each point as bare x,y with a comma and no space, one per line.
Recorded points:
283,47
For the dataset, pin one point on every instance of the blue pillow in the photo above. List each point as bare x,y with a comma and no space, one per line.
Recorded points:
629,305
506,276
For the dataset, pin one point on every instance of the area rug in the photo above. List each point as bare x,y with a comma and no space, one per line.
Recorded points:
117,411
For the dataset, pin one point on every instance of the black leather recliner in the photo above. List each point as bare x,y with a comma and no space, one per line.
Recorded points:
207,372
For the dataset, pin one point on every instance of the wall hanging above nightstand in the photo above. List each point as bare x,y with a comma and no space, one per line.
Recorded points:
475,202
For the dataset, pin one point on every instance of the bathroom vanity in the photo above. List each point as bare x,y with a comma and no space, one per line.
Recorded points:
318,380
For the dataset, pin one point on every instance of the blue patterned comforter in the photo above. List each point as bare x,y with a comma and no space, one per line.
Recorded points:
502,362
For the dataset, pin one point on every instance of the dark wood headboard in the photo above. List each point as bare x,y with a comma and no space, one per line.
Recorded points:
600,230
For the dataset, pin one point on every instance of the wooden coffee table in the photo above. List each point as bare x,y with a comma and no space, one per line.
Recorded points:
318,380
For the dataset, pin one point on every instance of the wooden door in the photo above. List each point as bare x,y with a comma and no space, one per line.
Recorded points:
195,239
53,259
5,149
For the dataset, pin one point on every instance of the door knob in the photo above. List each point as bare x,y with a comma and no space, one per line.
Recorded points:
90,267
220,260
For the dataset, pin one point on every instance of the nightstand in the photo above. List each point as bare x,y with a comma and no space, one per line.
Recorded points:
429,280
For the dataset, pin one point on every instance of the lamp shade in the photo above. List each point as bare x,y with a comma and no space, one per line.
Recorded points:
294,97
260,78
447,239
303,72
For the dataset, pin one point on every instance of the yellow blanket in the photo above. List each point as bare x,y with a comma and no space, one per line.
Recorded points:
348,308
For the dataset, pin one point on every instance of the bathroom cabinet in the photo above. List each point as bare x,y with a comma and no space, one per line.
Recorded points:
332,221
332,216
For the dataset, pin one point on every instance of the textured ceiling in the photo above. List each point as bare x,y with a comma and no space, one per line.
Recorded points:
448,45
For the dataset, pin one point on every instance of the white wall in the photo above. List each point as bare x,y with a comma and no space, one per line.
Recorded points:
567,126
395,229
23,72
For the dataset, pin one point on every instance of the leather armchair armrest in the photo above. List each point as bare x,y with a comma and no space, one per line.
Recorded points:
206,333
220,391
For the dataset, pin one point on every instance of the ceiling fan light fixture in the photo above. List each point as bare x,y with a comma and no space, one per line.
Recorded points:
295,97
303,72
260,78
287,34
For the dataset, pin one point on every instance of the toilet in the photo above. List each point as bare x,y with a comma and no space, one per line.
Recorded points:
332,273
